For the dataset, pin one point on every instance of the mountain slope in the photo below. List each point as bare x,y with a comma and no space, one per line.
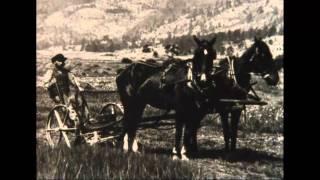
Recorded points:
151,20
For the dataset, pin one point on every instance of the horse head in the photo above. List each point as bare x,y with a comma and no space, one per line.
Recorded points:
261,61
204,55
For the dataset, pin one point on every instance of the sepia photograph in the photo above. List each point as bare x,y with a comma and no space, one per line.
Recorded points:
159,89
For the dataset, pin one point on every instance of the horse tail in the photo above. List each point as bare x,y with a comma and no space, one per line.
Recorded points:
125,81
120,70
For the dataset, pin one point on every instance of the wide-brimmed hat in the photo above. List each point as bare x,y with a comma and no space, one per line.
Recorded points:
58,57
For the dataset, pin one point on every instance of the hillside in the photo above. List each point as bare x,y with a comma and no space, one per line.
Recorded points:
130,23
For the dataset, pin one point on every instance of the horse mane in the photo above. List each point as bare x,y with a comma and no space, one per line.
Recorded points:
149,63
248,53
174,60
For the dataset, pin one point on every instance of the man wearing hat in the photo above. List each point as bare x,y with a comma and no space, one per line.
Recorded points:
64,88
63,78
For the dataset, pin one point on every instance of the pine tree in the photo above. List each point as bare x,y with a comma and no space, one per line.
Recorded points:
249,17
272,31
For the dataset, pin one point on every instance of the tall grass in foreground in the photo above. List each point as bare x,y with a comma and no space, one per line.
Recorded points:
101,162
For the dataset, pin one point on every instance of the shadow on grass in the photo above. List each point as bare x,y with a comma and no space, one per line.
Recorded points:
240,155
158,150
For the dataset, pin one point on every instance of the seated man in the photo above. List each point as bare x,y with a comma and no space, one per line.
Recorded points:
63,88
62,79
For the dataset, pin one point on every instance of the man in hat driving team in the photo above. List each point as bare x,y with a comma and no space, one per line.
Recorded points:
63,78
64,88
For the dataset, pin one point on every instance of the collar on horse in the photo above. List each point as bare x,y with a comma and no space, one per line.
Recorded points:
232,75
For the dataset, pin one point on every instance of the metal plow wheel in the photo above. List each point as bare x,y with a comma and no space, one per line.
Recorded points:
60,126
112,112
112,115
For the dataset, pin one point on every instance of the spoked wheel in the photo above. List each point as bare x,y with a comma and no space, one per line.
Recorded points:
112,115
111,112
60,126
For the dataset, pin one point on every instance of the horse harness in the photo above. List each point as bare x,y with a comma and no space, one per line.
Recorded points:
231,71
175,67
232,75
189,79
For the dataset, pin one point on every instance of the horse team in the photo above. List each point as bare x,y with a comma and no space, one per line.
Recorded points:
195,89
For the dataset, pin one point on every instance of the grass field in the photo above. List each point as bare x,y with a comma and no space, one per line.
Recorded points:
259,155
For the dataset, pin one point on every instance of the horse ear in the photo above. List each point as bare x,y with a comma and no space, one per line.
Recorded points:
213,40
256,39
196,40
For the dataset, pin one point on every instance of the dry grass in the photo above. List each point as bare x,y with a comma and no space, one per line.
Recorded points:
102,162
259,156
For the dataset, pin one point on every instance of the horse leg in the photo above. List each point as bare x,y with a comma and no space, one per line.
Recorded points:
193,137
130,132
235,117
225,127
126,127
193,146
185,150
176,150
131,120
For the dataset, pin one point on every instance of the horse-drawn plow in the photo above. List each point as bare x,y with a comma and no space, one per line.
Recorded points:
107,125
62,126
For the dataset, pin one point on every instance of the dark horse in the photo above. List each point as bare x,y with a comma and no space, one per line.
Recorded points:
140,84
256,59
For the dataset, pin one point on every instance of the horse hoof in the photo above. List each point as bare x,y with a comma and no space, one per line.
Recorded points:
125,146
184,157
135,146
175,157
